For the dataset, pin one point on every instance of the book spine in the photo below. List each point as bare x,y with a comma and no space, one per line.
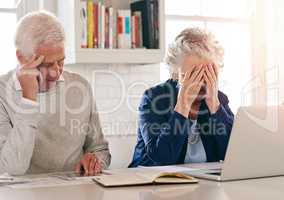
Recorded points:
119,31
90,21
103,17
99,23
111,25
83,18
106,28
127,29
140,30
156,24
143,7
151,24
114,28
133,32
96,27
137,34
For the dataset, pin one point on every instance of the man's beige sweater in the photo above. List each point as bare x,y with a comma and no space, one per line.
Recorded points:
52,135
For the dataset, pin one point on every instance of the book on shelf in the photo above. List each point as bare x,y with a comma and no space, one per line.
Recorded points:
83,19
123,27
107,27
150,21
96,28
90,26
136,37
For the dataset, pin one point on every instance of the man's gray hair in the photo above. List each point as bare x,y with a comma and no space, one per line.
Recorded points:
195,42
36,28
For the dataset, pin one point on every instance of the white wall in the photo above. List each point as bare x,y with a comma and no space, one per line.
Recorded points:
118,90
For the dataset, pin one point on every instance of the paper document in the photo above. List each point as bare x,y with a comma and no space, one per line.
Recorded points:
6,179
54,180
170,168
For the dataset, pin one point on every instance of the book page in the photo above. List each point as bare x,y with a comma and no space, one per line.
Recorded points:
170,168
175,177
131,176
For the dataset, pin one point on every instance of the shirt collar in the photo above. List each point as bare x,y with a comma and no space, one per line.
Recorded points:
18,85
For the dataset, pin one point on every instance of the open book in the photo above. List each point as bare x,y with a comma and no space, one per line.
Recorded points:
141,176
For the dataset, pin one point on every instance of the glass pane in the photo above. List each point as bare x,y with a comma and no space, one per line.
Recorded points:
174,27
183,7
235,77
7,3
275,42
227,8
7,49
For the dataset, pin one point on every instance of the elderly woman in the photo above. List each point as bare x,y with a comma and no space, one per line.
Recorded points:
186,119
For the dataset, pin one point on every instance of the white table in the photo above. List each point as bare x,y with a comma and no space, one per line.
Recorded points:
259,189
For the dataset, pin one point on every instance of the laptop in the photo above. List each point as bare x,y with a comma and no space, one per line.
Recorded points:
255,149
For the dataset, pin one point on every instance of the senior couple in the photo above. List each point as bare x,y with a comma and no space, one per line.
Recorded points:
39,103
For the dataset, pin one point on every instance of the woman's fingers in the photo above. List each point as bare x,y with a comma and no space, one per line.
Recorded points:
186,77
206,78
198,78
193,81
212,72
195,73
216,70
209,76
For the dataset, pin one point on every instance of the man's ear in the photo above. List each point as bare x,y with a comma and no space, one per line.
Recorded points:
21,58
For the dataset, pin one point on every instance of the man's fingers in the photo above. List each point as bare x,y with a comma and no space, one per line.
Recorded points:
37,62
98,167
33,58
85,163
34,63
92,166
78,168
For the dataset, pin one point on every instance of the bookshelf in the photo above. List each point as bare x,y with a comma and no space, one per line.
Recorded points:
69,15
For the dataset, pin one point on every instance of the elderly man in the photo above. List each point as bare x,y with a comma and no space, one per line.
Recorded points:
48,118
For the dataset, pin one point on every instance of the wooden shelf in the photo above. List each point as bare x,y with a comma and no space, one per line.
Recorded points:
68,14
129,56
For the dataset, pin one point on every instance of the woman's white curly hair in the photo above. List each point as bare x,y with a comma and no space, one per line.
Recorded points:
196,42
